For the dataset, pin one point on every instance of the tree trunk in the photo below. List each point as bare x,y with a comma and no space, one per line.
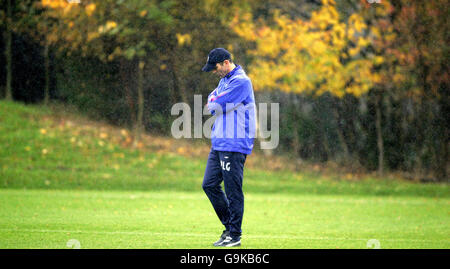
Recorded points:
380,144
140,113
441,124
47,75
179,86
296,146
128,93
340,134
326,145
8,53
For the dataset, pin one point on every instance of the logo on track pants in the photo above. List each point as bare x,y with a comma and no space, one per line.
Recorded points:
225,165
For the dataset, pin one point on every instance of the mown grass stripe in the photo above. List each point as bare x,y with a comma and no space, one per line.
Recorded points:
211,235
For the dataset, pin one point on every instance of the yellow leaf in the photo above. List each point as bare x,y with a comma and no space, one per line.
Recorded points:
353,51
90,9
351,32
92,35
378,60
143,13
362,42
183,39
181,150
110,25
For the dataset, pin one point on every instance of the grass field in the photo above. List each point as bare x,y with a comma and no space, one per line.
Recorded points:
63,177
124,219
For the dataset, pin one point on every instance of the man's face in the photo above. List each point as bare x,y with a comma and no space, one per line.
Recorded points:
221,69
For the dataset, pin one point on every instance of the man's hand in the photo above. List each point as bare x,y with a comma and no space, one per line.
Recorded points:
210,105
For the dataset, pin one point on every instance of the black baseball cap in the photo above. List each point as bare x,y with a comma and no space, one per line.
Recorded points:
215,56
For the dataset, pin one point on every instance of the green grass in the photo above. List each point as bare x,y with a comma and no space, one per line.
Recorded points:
61,180
124,219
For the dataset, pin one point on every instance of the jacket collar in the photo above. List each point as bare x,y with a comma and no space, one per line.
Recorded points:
231,73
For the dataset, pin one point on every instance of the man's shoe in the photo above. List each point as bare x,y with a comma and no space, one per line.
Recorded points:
224,237
230,242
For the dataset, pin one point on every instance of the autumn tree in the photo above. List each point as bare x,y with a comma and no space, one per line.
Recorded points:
377,17
8,50
324,54
415,76
125,31
422,50
14,17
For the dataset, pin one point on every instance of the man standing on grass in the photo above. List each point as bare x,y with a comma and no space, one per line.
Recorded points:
233,132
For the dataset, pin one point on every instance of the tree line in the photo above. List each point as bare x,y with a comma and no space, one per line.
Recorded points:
361,84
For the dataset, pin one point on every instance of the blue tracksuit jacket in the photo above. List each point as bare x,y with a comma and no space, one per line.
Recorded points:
233,105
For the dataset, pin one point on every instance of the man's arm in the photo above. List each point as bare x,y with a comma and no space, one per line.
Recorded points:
235,94
210,106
